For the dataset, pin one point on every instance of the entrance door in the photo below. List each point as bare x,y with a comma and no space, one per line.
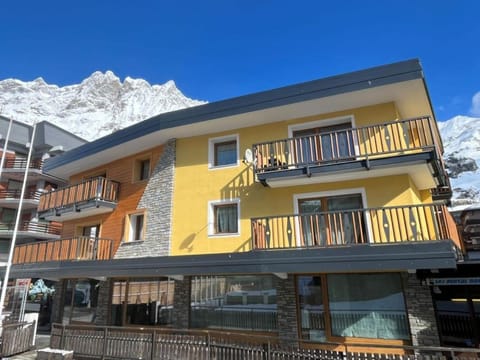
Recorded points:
334,220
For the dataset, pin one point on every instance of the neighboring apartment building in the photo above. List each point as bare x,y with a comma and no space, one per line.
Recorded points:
456,292
50,140
313,211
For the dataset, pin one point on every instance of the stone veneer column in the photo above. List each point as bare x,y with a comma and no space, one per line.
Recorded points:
157,199
103,303
181,303
287,308
421,316
58,297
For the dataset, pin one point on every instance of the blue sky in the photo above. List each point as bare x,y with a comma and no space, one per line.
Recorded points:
220,49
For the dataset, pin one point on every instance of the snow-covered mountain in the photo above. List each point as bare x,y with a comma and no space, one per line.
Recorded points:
96,107
102,104
461,140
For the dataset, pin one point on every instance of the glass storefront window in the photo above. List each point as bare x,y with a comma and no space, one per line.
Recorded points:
142,301
80,301
367,306
241,302
310,302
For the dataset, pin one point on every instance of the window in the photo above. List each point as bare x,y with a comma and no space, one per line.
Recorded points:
141,169
223,151
144,169
359,305
244,302
90,231
80,301
135,227
367,305
224,218
7,217
140,301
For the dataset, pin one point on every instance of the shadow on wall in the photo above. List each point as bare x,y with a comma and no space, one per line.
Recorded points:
241,185
187,243
245,246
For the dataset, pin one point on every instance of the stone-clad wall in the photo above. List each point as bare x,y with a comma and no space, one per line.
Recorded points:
181,303
104,295
421,316
58,297
287,308
157,201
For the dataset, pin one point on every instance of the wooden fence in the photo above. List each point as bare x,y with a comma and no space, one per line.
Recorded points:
16,338
136,343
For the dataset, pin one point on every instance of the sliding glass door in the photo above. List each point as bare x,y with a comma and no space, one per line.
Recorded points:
335,220
324,144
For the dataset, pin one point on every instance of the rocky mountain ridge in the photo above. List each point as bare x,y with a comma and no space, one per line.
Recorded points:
98,106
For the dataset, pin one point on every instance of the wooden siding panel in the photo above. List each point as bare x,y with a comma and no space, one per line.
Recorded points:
130,192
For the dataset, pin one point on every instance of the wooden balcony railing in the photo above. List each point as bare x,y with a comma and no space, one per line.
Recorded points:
375,141
362,226
22,164
15,194
95,189
33,226
77,248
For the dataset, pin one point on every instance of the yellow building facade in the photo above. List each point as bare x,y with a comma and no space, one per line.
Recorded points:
308,212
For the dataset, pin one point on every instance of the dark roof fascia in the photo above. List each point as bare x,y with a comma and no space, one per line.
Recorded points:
357,258
335,85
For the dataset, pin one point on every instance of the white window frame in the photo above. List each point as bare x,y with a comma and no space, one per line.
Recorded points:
326,122
330,193
211,151
211,218
130,226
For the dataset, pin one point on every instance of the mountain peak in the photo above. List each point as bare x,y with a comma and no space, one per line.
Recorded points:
97,106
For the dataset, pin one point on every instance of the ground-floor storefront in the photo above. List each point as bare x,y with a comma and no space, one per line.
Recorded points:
383,308
345,295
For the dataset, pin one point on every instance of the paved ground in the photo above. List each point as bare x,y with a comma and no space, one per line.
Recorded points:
41,341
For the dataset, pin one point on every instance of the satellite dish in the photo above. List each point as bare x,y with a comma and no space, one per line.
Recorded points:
248,157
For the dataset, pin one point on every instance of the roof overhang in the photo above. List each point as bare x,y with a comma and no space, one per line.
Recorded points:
402,83
360,258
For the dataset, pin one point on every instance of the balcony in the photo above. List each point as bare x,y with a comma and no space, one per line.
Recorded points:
91,197
376,226
11,199
15,168
400,147
74,249
31,229
21,164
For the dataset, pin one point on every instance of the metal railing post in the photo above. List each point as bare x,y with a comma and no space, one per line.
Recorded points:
209,347
62,337
152,352
104,348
